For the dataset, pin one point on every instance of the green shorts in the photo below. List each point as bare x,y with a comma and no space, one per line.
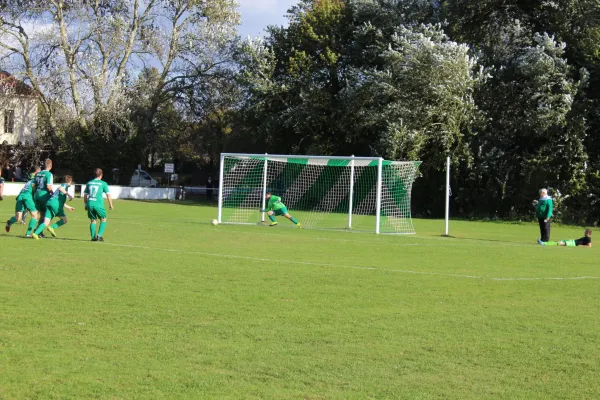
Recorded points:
61,212
95,213
25,203
281,211
570,243
40,202
52,209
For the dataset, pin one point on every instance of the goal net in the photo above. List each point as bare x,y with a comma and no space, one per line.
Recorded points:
357,193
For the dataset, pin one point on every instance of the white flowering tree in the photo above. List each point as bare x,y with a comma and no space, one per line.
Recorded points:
421,95
534,128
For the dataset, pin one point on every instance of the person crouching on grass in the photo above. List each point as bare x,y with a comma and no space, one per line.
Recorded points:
585,241
276,207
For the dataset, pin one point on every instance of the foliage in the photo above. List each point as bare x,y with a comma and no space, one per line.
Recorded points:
506,89
510,90
79,58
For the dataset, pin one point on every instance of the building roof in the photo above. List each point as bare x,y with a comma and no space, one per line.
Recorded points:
11,85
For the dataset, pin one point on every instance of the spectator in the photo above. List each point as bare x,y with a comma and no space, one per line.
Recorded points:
6,172
209,188
18,173
116,174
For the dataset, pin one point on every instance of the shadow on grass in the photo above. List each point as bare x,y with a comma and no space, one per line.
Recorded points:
482,239
46,238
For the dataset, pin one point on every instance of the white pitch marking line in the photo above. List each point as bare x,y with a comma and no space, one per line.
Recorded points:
402,271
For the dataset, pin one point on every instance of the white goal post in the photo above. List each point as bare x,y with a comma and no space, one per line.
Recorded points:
352,193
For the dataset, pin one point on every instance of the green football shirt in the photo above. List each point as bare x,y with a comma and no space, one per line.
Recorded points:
42,180
59,196
28,188
275,203
95,189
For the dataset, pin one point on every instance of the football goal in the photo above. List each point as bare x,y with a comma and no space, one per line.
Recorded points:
354,193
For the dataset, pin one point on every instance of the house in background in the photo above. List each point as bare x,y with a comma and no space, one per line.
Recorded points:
18,111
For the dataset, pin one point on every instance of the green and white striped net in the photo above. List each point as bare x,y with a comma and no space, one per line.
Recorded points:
317,191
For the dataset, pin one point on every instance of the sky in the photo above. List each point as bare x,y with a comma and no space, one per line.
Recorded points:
258,14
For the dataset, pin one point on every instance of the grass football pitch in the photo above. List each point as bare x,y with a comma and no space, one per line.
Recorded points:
170,307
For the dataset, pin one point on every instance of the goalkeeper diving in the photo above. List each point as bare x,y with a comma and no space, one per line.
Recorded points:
276,207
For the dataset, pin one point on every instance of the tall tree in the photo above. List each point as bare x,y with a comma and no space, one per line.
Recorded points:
80,53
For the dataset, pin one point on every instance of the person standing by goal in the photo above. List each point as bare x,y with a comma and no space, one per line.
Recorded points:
543,212
94,204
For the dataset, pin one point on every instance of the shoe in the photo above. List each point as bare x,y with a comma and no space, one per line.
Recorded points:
100,239
7,227
273,224
42,236
299,226
541,243
1,198
28,236
94,239
49,229
36,237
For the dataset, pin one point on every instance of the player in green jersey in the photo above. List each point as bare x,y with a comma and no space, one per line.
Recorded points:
25,203
54,208
30,177
43,187
94,204
276,207
585,241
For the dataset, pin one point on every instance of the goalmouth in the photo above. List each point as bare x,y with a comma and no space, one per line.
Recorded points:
341,193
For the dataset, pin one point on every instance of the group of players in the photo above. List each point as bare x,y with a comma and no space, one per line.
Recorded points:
44,203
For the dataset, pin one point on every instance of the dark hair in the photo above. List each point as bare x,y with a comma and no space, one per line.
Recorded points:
98,172
68,178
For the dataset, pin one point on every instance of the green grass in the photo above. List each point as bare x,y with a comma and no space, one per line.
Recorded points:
171,307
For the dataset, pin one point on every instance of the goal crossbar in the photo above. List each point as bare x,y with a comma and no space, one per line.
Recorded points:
280,156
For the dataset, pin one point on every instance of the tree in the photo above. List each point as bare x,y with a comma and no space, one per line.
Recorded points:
534,127
81,53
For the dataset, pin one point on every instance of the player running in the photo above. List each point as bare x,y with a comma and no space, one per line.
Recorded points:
43,188
585,241
276,207
94,204
54,208
25,203
30,177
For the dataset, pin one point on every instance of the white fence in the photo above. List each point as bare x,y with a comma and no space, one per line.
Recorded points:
13,189
116,192
139,193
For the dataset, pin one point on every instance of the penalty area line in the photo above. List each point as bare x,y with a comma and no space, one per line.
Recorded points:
357,267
